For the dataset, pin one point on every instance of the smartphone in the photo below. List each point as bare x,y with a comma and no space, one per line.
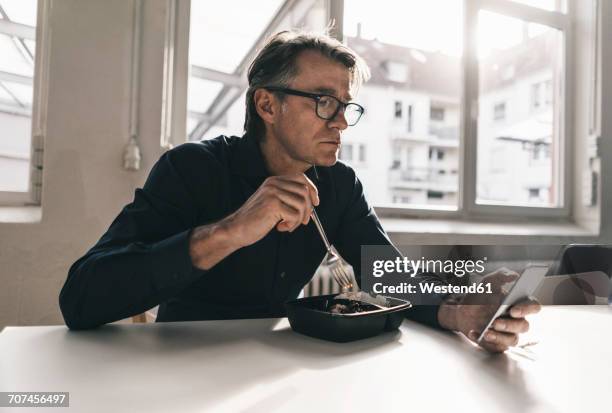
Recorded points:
522,289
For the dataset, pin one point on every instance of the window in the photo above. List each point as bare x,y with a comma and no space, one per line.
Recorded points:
398,170
535,51
409,116
351,153
499,111
509,56
436,114
398,109
346,152
541,94
19,67
362,153
395,71
435,195
534,193
217,86
536,95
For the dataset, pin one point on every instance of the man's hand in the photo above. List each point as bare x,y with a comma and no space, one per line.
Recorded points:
281,202
504,332
470,314
284,202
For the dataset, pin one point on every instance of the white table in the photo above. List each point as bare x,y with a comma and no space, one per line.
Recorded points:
262,366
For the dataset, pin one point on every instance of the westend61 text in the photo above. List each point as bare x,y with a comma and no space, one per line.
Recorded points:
433,288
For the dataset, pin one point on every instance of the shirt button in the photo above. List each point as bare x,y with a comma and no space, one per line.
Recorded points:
282,274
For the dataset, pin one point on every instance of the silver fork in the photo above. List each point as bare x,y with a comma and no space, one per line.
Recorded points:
340,269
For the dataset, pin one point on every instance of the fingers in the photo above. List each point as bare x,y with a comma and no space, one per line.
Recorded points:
290,218
298,192
509,325
525,308
303,180
495,341
297,203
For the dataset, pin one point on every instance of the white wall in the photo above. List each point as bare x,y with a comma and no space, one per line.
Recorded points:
84,184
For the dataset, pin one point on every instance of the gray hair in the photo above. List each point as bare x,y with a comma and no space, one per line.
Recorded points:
275,65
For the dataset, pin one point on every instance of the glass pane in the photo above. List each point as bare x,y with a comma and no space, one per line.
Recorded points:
31,45
14,151
16,100
208,25
552,5
410,131
5,96
20,11
12,60
201,94
23,93
519,62
231,123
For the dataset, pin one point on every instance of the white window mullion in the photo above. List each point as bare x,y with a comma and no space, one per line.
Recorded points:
469,141
564,93
39,110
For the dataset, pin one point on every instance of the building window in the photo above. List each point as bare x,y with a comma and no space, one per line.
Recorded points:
362,153
435,194
346,152
536,95
541,94
499,111
396,71
409,116
534,193
398,109
436,114
436,153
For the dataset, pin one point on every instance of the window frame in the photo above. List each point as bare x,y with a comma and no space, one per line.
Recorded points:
39,114
563,118
466,207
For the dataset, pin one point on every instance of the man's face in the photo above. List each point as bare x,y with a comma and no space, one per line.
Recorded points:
305,136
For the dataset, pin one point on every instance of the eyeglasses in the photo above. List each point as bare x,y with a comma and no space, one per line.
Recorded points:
327,106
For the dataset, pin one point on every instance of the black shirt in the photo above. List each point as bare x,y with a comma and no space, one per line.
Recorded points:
143,259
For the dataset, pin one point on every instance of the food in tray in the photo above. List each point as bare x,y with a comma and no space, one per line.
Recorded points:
349,307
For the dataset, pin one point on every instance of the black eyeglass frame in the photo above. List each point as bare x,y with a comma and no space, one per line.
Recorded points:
317,97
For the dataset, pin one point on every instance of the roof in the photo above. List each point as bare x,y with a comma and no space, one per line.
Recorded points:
440,74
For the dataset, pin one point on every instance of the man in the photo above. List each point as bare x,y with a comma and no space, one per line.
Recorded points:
221,227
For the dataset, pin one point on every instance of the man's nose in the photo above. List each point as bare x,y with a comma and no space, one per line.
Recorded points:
339,121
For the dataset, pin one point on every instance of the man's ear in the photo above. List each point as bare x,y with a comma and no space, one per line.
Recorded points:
266,105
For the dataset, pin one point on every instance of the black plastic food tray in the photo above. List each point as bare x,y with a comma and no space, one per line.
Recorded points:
309,316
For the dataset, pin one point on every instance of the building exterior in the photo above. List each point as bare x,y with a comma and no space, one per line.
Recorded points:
406,148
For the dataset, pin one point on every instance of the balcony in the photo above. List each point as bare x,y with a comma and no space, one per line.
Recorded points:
444,137
426,178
